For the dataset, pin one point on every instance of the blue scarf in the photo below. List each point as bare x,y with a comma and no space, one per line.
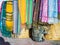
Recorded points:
52,11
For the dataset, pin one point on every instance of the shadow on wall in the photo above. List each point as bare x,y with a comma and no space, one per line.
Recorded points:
2,42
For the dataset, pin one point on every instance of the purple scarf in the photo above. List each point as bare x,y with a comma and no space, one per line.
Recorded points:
44,12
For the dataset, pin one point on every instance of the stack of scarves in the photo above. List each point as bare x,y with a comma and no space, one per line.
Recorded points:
28,12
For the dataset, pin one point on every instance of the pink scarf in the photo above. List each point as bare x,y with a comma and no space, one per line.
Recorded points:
44,12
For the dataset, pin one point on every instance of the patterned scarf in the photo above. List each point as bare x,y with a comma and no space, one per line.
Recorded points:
6,29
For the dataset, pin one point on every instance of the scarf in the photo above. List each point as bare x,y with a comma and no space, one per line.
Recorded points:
6,21
52,11
36,13
15,17
44,11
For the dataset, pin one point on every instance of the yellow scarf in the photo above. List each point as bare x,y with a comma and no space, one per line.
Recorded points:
9,8
22,11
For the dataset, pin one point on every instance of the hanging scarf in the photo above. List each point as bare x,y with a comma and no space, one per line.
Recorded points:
56,11
36,12
22,10
6,25
29,12
19,24
41,9
19,19
59,10
52,11
24,33
9,16
44,11
15,17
